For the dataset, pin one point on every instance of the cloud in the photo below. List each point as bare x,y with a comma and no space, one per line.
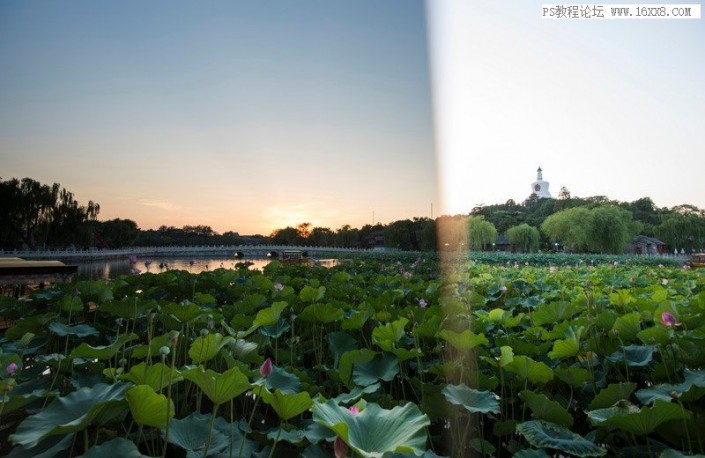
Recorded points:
160,204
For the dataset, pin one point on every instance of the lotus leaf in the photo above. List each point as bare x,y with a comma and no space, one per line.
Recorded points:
384,366
219,387
614,392
116,448
533,371
472,400
321,313
157,375
71,413
49,448
102,352
375,431
543,408
79,330
191,434
543,434
149,408
633,355
279,379
286,405
642,422
463,341
205,348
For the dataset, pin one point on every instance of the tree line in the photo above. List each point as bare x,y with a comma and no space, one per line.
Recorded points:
37,216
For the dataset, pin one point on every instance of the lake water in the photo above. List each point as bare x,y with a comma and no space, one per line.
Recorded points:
109,269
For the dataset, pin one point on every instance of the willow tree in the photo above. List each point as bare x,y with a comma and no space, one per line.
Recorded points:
32,214
524,237
569,227
611,229
480,232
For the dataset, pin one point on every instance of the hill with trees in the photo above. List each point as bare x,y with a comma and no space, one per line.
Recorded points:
37,216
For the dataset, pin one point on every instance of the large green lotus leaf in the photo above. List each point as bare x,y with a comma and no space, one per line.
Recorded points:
219,387
350,359
404,354
356,393
265,317
553,313
149,408
564,348
205,348
384,366
573,376
191,434
429,327
294,436
472,400
185,312
463,341
533,371
622,297
670,453
376,431
339,343
321,313
612,394
286,405
690,390
311,294
531,453
79,330
389,334
18,401
627,326
642,422
130,308
543,408
633,355
50,447
356,320
157,342
276,330
281,380
102,352
35,324
654,335
116,448
244,351
599,416
542,434
157,375
71,303
250,303
506,355
71,413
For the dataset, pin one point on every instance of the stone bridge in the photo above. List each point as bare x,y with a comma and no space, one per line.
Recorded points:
249,251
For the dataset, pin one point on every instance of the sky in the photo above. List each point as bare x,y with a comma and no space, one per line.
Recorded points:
251,116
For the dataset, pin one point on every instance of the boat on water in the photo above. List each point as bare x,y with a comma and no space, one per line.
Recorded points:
696,260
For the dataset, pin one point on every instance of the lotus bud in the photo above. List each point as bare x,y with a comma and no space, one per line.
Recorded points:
204,332
668,319
266,368
340,447
123,362
173,338
164,351
11,369
354,410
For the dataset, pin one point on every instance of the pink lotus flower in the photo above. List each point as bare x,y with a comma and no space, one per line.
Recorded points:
133,259
278,286
422,303
664,281
11,369
668,319
340,447
266,368
503,288
407,275
553,269
136,271
355,410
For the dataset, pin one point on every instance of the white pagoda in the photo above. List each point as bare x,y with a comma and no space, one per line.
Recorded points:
540,187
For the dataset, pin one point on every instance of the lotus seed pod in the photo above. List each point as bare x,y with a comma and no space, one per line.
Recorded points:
164,350
204,332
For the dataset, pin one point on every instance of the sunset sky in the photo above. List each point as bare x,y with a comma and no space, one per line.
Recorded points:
250,116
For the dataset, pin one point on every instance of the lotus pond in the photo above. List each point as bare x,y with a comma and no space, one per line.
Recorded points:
374,358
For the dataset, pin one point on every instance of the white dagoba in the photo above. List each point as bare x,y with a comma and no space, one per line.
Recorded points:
540,187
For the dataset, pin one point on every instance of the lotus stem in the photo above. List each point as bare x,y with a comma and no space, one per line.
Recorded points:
210,430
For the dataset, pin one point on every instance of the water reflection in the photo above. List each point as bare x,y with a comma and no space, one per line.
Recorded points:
109,269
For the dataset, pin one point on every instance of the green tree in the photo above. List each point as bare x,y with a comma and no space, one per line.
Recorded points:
611,229
287,236
347,237
569,228
33,214
682,229
321,236
116,233
480,232
524,237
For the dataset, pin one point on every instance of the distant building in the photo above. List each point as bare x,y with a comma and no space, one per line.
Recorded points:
642,244
540,187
